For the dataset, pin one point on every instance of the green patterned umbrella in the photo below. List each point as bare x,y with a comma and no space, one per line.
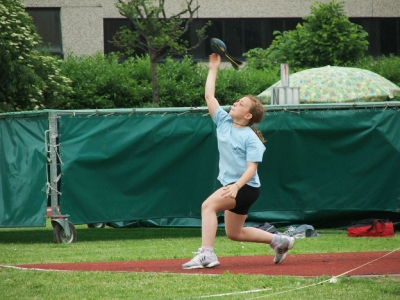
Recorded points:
339,84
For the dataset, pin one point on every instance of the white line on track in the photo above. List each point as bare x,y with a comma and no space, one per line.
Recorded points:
237,293
33,269
331,280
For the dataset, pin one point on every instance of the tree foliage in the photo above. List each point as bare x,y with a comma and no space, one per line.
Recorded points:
102,82
327,37
29,79
156,33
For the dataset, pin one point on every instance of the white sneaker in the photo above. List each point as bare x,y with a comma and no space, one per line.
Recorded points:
202,260
282,249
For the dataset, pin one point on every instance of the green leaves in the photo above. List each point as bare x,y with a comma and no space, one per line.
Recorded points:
29,79
325,38
104,82
155,33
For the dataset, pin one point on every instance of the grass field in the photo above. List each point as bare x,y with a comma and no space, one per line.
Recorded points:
34,245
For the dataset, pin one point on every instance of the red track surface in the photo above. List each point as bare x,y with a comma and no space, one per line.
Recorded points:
357,263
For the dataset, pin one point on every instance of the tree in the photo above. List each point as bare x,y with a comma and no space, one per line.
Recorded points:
29,79
155,33
327,37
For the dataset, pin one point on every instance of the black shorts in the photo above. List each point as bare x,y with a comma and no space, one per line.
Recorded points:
245,198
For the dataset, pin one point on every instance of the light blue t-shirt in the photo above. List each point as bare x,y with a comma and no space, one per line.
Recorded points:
236,147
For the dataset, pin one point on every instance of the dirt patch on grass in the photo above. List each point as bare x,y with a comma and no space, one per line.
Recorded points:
332,264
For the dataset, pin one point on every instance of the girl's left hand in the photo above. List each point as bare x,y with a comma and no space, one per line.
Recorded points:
230,191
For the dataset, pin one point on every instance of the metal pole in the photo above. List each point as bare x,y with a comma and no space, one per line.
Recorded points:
53,134
55,212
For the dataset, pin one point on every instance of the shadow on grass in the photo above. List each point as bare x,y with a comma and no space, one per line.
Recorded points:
84,234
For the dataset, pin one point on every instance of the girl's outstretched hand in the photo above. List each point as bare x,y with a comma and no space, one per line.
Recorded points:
215,60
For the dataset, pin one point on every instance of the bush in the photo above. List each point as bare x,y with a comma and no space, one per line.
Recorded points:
103,82
386,66
29,79
232,84
325,38
181,83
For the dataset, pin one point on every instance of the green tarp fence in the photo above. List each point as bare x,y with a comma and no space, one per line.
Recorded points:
325,165
23,169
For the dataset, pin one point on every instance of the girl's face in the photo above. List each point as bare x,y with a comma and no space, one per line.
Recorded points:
241,109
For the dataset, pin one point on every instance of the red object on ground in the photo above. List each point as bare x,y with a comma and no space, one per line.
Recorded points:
332,264
371,228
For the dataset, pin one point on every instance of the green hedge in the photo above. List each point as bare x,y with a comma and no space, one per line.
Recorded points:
105,82
386,66
101,82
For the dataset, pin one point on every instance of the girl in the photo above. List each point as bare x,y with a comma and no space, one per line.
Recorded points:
241,148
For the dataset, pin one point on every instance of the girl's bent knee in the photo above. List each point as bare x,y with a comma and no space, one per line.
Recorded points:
205,206
233,236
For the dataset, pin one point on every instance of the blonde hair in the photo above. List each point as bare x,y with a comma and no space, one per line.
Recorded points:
257,110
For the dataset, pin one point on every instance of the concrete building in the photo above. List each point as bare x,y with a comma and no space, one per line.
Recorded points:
87,26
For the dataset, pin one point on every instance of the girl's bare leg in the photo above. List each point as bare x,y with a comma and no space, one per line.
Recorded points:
236,232
209,209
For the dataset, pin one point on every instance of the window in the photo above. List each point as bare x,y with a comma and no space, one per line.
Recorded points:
371,26
111,26
48,27
242,34
383,35
239,34
390,36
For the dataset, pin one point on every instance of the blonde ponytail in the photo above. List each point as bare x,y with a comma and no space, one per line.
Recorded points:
259,134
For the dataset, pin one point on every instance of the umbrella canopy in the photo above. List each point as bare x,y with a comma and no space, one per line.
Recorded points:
338,84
